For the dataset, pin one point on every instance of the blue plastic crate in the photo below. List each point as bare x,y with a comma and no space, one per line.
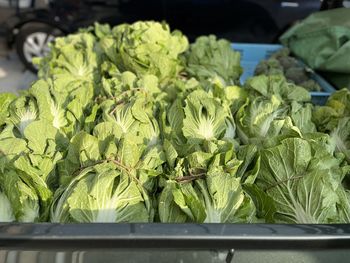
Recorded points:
252,54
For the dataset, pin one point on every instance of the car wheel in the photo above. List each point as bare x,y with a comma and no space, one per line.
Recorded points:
32,41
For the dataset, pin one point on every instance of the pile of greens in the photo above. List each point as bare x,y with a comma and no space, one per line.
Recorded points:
281,63
133,124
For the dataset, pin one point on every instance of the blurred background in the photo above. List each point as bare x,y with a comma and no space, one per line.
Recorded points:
27,26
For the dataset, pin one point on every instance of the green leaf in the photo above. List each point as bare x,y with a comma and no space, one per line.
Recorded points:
340,137
83,151
189,202
39,134
10,148
100,194
5,100
6,213
302,117
277,85
265,204
343,206
301,180
209,58
259,119
146,48
23,111
23,199
204,118
129,151
170,153
169,211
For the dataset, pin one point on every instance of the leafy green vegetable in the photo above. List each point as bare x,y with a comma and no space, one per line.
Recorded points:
278,86
6,213
5,100
73,60
273,108
127,124
209,59
340,137
196,119
27,166
337,106
204,118
101,193
20,201
204,187
145,48
334,118
281,63
116,168
304,182
26,176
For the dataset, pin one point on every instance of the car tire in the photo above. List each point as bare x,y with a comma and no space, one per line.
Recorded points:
32,41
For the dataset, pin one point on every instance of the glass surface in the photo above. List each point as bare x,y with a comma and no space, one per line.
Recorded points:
181,256
124,255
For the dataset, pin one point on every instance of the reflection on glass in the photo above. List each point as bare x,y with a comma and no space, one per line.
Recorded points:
175,256
120,255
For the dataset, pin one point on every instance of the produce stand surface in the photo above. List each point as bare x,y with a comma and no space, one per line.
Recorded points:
175,236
